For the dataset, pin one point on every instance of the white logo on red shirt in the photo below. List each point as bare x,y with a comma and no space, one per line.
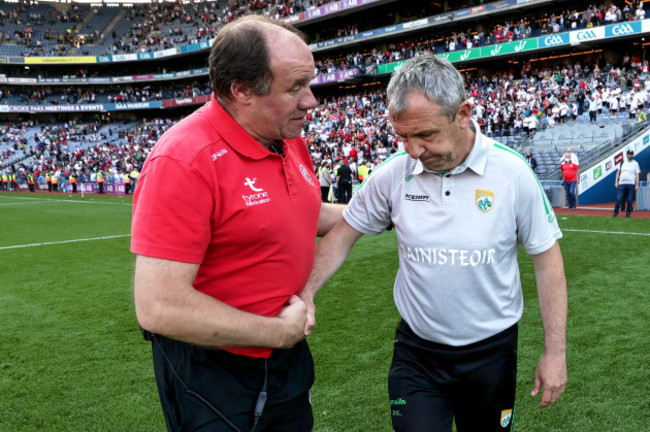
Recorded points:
261,197
250,183
306,175
218,154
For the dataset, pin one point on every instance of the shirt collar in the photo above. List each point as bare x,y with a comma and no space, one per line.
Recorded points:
236,136
476,160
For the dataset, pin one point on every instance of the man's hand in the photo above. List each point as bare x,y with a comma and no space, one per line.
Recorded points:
551,377
308,297
294,318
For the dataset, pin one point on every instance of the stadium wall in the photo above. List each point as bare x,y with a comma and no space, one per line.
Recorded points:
597,183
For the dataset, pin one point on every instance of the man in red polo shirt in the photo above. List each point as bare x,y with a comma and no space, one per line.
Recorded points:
223,253
570,175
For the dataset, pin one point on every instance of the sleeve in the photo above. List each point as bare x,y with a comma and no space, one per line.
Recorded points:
369,211
537,228
173,209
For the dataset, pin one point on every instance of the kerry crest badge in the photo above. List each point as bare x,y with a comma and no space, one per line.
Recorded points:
484,200
506,418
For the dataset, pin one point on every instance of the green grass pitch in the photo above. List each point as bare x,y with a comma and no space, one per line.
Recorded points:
72,357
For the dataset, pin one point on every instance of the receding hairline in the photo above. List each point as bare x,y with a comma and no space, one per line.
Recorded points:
267,27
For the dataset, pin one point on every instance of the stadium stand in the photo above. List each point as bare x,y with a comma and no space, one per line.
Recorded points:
535,99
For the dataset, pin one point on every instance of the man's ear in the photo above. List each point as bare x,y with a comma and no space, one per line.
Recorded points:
464,114
241,93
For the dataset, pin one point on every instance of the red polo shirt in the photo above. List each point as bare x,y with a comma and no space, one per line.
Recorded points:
210,194
569,171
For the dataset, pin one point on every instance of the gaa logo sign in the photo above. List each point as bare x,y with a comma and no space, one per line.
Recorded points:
587,35
554,40
622,29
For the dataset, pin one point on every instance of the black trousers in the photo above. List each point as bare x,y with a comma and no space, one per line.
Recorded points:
213,390
430,384
345,192
324,193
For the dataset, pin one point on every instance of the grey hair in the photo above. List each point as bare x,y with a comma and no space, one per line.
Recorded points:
434,77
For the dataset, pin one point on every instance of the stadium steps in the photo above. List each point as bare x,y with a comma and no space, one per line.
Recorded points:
109,27
107,41
81,25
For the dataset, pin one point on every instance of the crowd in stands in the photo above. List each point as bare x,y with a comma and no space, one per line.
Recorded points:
149,27
157,26
166,25
543,97
86,152
508,31
504,104
356,127
104,94
547,23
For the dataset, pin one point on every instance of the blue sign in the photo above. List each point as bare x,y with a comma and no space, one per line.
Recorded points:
623,29
553,40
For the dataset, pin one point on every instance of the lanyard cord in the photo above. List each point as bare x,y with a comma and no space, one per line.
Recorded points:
261,398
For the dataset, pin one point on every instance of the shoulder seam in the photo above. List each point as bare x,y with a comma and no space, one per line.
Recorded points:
547,204
400,153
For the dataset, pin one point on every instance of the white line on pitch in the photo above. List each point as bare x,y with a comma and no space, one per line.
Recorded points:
63,241
607,232
15,203
89,201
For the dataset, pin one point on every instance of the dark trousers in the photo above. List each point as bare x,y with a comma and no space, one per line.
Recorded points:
570,190
345,192
324,193
212,390
592,115
430,384
624,195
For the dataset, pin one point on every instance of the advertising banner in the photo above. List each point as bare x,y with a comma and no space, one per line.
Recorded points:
587,35
623,29
416,23
389,67
60,60
553,40
331,8
133,105
461,56
594,175
500,4
334,77
109,188
186,101
51,108
441,18
508,48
